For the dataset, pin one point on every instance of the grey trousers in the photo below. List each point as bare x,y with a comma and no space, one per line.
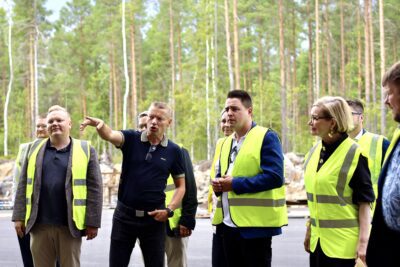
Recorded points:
175,249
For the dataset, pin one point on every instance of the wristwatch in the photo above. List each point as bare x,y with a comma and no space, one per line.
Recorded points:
170,212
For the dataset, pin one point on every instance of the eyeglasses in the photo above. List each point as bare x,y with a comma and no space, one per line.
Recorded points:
149,156
356,113
317,118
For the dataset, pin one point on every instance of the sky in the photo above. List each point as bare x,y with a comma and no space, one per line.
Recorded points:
55,6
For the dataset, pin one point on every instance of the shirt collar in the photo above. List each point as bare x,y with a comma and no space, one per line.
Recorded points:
253,124
358,136
164,141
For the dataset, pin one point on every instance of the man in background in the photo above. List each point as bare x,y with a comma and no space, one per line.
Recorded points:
373,145
40,133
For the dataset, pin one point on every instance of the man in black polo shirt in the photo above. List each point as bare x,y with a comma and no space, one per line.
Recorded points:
148,159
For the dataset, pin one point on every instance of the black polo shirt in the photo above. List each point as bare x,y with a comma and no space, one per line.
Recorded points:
53,200
144,177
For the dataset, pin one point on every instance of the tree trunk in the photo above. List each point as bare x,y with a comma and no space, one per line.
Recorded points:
126,73
10,82
283,81
316,49
383,67
342,53
207,100
372,67
215,70
134,104
367,59
31,85
260,75
180,67
328,48
115,89
228,47
359,51
236,45
310,98
172,59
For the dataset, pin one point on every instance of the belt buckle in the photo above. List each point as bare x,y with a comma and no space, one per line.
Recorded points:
139,213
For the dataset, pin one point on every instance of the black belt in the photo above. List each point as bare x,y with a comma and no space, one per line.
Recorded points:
132,212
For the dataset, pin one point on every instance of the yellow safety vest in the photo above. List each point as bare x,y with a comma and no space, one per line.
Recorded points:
169,193
218,147
80,160
334,218
371,145
393,142
262,209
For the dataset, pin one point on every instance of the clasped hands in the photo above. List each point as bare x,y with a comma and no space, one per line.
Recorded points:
222,184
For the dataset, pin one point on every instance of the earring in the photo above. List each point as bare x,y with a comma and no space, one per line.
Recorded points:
330,134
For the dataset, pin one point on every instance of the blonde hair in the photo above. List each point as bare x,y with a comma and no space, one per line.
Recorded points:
57,108
338,109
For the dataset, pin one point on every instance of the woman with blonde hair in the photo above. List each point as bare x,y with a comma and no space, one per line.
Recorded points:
339,188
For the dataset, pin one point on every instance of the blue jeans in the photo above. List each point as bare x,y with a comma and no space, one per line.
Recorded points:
127,228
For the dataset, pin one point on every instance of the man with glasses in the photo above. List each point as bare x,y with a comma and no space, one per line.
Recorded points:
373,145
41,132
252,206
148,159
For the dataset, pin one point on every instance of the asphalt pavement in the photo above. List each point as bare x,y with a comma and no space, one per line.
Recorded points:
287,249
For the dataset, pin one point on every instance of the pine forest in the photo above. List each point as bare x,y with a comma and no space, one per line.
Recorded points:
110,59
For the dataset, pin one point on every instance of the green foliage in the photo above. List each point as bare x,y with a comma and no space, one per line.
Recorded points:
81,62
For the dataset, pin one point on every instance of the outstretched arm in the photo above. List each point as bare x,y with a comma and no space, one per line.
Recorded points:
105,132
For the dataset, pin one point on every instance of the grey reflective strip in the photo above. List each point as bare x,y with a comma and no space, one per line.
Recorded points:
79,202
326,199
338,223
29,180
373,148
310,197
170,187
79,181
219,204
28,201
312,220
85,147
344,171
34,146
309,155
257,202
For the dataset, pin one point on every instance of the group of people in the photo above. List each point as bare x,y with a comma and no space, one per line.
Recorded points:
349,173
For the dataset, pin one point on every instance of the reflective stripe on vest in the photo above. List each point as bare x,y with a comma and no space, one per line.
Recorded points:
217,152
262,209
80,159
371,145
334,218
169,193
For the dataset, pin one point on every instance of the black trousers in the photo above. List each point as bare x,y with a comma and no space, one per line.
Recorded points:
24,246
126,229
319,259
218,256
241,252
